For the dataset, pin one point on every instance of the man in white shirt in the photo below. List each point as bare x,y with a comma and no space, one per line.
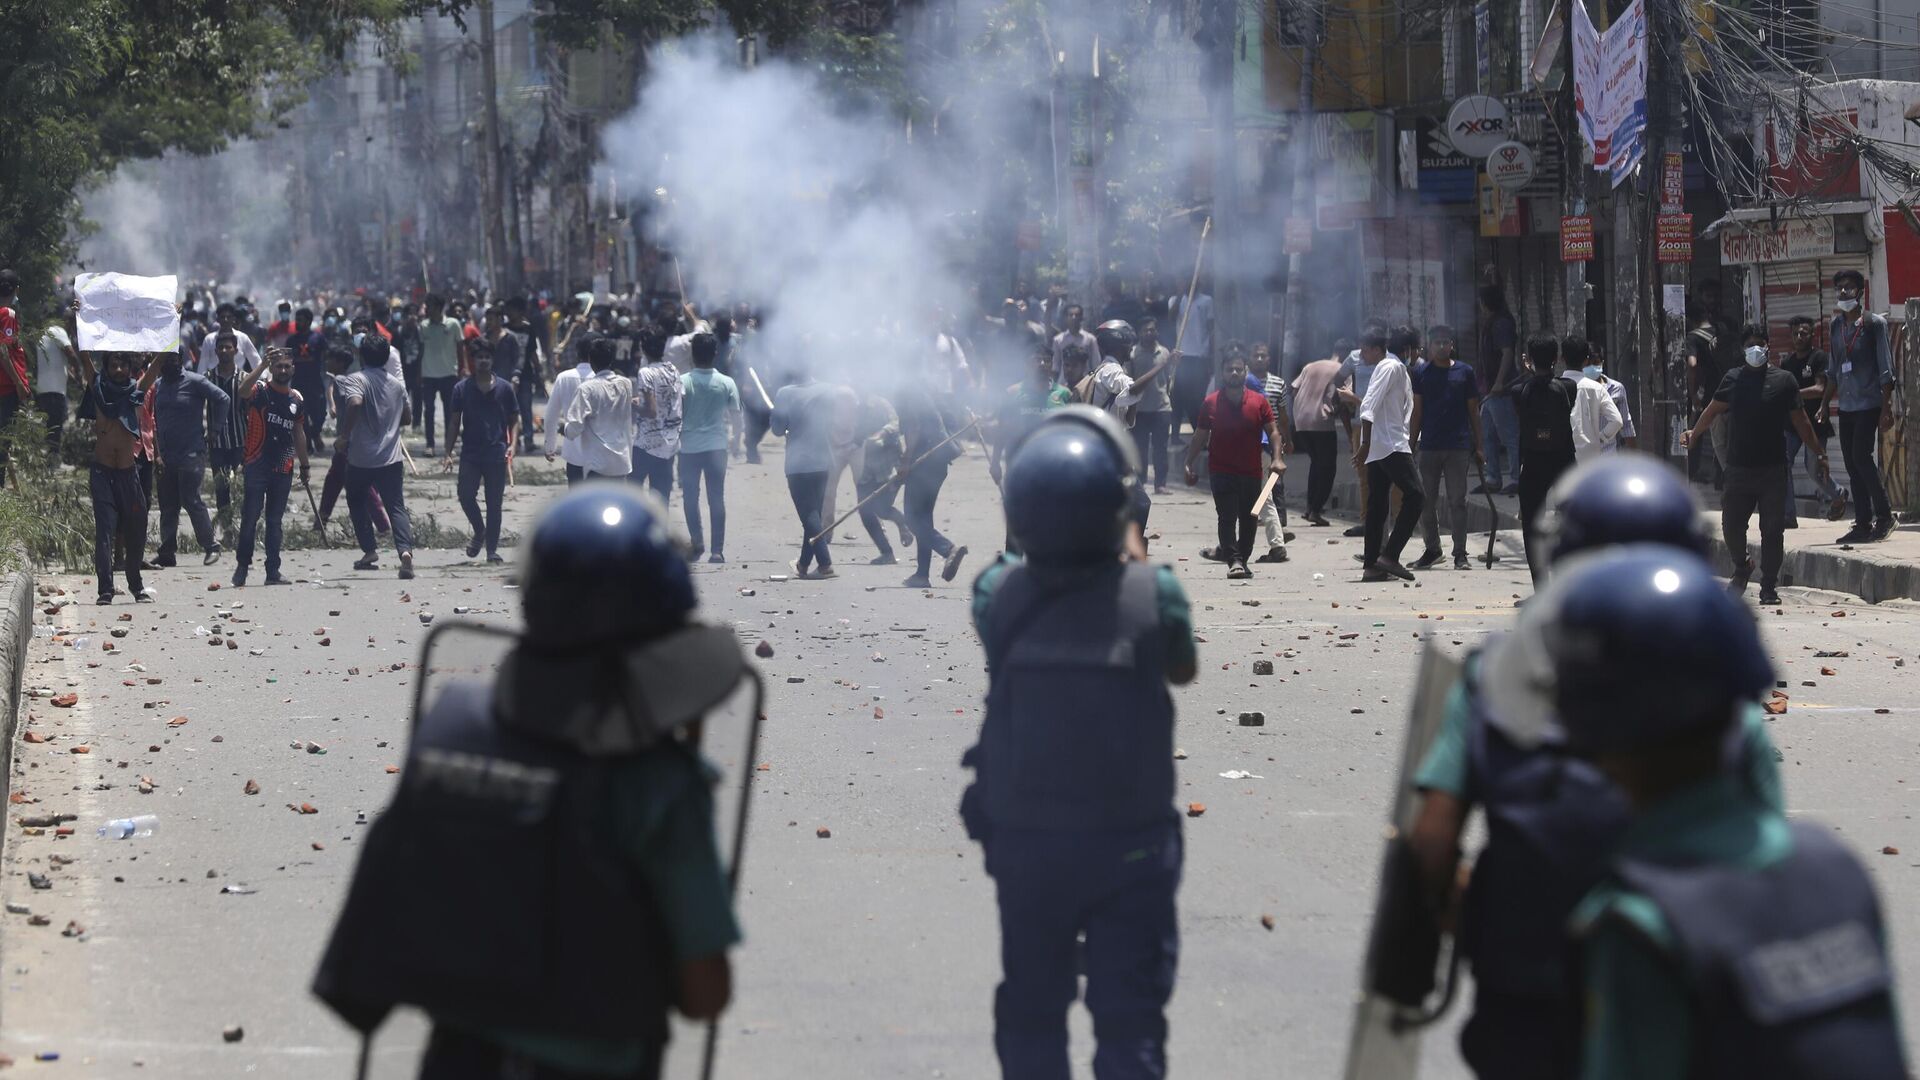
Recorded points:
249,358
680,346
1074,334
600,417
656,437
1596,419
54,359
559,397
1386,448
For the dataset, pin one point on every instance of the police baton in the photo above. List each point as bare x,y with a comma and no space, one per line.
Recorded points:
887,487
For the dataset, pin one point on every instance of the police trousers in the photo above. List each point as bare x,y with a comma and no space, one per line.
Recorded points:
1516,1037
1118,890
455,1055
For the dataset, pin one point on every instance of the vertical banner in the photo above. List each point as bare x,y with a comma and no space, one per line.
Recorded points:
1673,238
1483,44
1673,183
1588,90
1576,238
1623,114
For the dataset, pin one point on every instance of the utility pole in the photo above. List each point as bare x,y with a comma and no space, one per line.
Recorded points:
1300,146
499,277
1227,301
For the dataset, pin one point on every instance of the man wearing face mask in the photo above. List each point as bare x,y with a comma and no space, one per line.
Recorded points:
1597,421
1864,380
1760,401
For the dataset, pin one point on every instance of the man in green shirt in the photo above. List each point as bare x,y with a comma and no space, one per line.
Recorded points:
1726,941
440,341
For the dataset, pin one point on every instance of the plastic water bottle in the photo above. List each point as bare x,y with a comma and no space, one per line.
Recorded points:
122,828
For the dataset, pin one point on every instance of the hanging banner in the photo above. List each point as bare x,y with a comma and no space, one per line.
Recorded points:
1483,44
1610,88
1673,238
1576,238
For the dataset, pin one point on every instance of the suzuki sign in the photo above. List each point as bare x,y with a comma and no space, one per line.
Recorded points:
1477,124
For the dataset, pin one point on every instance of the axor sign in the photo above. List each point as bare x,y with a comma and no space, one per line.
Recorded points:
1477,123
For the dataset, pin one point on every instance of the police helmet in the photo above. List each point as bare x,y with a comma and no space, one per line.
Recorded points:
1116,339
1069,487
602,571
1623,498
1648,647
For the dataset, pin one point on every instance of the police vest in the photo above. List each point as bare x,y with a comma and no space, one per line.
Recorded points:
487,892
1553,822
1786,965
1079,726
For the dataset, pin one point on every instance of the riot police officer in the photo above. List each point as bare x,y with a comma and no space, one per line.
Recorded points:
1552,819
1073,796
545,883
1726,941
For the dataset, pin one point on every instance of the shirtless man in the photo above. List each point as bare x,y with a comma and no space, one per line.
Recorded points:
119,506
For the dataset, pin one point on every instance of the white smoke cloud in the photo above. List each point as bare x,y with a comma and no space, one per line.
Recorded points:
775,193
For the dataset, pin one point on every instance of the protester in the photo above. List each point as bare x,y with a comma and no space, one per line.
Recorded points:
1544,404
1075,334
1809,367
181,400
1273,516
441,337
1388,414
532,370
308,348
227,434
1024,406
1227,428
1153,414
274,440
929,452
14,390
599,417
710,402
1861,392
374,408
559,397
657,417
1759,401
1596,420
882,452
1498,367
803,412
230,320
1193,336
56,359
113,480
1446,431
483,409
1349,388
1313,428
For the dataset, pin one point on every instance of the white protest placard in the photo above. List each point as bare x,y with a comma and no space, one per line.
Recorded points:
126,313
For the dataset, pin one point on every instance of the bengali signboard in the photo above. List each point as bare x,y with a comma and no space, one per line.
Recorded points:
1785,241
1576,238
1673,238
1673,183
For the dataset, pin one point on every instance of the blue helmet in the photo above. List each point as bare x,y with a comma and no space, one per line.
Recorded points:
602,570
1648,646
1070,486
1624,498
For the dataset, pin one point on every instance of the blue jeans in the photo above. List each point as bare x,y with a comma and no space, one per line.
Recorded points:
1500,435
710,465
385,482
923,491
1117,888
265,489
472,475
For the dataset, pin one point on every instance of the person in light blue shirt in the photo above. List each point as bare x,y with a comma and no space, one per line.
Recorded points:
710,403
1862,378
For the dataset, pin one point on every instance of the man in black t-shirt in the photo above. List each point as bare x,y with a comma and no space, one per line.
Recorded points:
1545,407
1759,402
1808,366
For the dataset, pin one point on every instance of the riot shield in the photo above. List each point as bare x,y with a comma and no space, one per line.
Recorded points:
459,651
1403,946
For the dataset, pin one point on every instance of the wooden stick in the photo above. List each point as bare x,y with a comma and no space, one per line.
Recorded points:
1266,492
888,486
1199,254
405,453
760,386
679,281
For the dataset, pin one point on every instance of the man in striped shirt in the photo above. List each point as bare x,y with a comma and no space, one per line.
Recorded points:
1273,516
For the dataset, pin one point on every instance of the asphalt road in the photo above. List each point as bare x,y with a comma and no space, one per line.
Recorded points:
872,953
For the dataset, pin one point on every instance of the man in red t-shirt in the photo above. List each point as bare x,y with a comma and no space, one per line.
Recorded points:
13,359
1228,426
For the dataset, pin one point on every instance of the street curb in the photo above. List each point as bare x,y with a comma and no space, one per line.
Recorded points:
16,632
1828,568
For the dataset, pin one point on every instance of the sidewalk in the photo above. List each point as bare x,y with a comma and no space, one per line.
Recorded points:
1887,570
